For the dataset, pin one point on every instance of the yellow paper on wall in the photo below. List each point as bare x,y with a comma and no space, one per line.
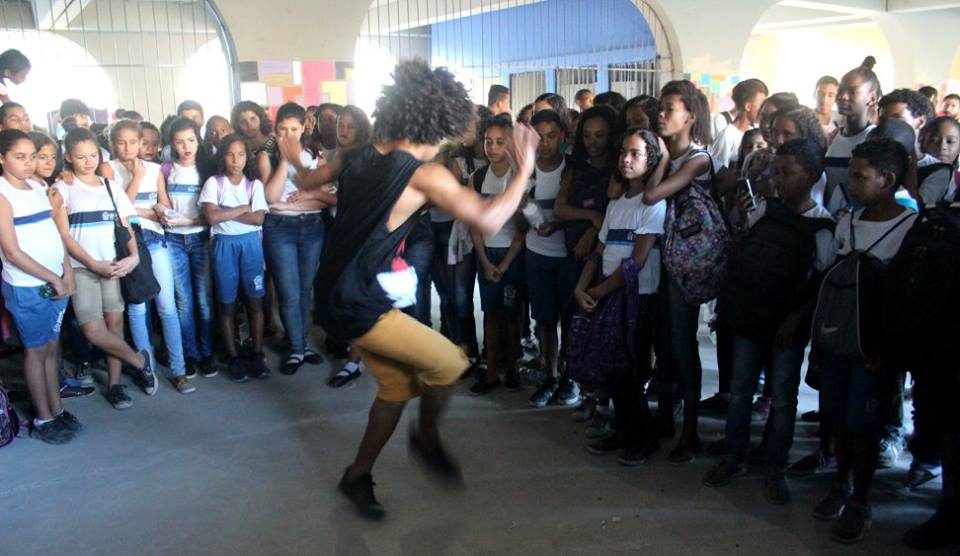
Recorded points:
337,91
278,80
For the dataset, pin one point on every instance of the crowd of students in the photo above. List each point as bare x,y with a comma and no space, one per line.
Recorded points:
787,222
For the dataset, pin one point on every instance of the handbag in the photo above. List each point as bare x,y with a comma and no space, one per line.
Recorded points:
140,285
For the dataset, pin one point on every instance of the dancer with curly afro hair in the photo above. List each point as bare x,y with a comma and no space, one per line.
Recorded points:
363,280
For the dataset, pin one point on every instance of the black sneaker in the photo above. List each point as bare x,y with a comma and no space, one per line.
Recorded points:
237,370
633,456
567,394
118,397
360,492
716,404
207,367
481,386
512,383
145,377
76,391
69,421
542,396
191,366
435,460
258,366
312,357
723,473
605,446
51,432
854,522
775,486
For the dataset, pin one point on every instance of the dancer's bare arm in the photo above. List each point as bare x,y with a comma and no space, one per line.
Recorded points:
440,187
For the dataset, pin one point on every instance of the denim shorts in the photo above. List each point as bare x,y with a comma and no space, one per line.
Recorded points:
550,284
851,392
37,319
238,260
507,293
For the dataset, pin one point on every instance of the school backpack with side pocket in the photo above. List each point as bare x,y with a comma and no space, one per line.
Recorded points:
696,240
847,321
9,419
921,294
769,270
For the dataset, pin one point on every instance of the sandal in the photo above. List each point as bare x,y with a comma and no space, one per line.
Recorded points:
343,377
291,365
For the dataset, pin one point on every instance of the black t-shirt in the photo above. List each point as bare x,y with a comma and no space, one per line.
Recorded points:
589,191
362,274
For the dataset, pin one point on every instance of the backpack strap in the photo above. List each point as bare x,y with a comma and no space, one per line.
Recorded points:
478,176
881,238
728,116
166,168
249,185
247,182
714,192
220,189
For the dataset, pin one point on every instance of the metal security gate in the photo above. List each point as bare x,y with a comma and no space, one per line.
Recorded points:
155,53
572,42
631,80
525,88
571,80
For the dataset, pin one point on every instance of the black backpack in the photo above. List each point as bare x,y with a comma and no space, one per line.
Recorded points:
769,271
921,294
848,319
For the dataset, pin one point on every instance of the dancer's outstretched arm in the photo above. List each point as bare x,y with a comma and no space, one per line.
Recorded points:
441,188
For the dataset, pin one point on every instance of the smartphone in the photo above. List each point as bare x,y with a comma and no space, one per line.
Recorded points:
744,185
47,291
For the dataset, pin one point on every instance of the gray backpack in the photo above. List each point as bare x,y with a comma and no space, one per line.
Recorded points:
847,320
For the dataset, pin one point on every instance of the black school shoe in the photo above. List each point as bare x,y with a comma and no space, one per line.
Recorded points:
258,366
237,370
360,493
69,421
51,432
311,357
434,459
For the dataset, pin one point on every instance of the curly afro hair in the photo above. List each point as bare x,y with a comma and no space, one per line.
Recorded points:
917,104
424,106
808,125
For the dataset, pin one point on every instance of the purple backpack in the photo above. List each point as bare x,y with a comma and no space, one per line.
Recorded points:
696,241
9,419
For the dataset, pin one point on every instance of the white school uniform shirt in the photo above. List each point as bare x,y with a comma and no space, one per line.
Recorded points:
726,147
183,189
493,185
290,187
229,196
146,193
37,234
546,187
869,232
91,216
838,162
626,218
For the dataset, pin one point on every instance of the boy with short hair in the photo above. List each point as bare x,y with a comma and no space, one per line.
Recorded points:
192,110
853,387
907,105
768,299
14,116
951,106
498,100
551,275
748,96
584,99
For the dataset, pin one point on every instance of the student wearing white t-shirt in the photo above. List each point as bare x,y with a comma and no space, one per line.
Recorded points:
748,96
37,280
188,239
859,93
853,391
617,289
293,234
500,268
550,273
145,188
86,213
234,205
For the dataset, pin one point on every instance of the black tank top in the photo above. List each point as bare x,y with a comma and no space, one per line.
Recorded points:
362,260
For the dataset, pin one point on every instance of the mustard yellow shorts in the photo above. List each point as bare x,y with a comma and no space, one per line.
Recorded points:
403,355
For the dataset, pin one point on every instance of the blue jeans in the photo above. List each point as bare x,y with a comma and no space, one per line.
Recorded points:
190,254
292,245
443,275
166,302
782,369
463,328
685,347
419,255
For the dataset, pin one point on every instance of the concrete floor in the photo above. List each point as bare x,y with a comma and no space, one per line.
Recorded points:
252,469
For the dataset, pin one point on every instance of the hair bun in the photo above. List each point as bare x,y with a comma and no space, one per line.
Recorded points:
869,62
